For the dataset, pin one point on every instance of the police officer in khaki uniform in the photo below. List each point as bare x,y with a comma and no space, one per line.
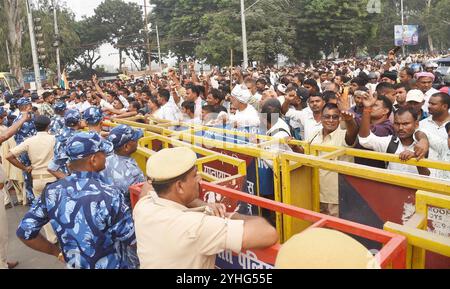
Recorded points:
40,151
172,231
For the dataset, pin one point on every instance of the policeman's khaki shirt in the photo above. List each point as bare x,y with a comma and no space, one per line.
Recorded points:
40,151
169,235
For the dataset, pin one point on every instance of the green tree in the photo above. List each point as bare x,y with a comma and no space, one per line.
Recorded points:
124,27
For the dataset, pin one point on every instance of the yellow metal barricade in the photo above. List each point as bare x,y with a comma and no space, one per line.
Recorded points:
421,238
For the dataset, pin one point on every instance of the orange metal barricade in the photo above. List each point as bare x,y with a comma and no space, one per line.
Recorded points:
391,255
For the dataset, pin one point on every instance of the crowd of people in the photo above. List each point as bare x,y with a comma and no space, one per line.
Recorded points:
77,182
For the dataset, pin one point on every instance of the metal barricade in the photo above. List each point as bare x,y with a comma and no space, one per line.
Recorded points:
391,255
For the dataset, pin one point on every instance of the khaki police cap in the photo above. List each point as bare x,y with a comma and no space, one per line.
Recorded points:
169,164
319,248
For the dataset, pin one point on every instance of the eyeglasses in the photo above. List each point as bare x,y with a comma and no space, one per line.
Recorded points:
330,117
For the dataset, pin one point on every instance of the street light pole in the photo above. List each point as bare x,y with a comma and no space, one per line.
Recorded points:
159,48
147,36
37,73
58,60
403,28
244,35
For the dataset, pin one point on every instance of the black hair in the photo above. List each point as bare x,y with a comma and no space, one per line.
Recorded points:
136,105
262,81
217,94
383,87
154,100
330,106
445,98
359,81
46,95
272,109
387,103
195,89
164,93
329,95
189,105
447,127
41,122
403,110
312,83
209,108
408,71
406,86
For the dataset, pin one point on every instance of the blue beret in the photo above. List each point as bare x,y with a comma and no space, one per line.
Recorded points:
23,101
93,115
84,144
122,134
13,101
60,106
72,117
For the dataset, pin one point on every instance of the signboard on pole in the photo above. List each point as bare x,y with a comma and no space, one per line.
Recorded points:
408,37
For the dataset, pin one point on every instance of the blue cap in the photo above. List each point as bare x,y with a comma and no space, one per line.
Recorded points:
23,101
13,101
84,144
122,134
60,106
72,117
93,115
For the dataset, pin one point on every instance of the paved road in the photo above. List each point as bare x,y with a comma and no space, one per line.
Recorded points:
17,251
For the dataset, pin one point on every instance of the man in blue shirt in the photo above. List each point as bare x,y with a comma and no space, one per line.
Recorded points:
27,130
57,121
89,217
122,171
58,166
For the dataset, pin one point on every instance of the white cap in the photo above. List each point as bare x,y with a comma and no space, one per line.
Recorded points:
282,88
241,93
415,95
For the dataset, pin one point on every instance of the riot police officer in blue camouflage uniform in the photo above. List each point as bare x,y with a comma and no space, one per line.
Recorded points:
122,171
57,121
94,118
90,218
27,130
58,166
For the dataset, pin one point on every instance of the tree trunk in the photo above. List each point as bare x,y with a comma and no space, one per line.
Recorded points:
13,17
120,60
430,40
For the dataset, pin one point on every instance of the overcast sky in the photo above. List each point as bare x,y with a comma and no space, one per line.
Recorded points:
86,8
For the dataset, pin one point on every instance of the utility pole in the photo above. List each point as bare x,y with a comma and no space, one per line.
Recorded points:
244,35
159,48
403,28
147,36
57,42
37,73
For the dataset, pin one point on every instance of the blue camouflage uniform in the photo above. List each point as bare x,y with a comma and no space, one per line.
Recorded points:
59,162
57,122
93,115
90,218
27,130
123,171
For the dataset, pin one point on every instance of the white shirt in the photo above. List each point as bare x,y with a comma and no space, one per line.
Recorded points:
306,118
440,146
431,128
105,104
169,111
380,144
245,118
283,132
84,106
